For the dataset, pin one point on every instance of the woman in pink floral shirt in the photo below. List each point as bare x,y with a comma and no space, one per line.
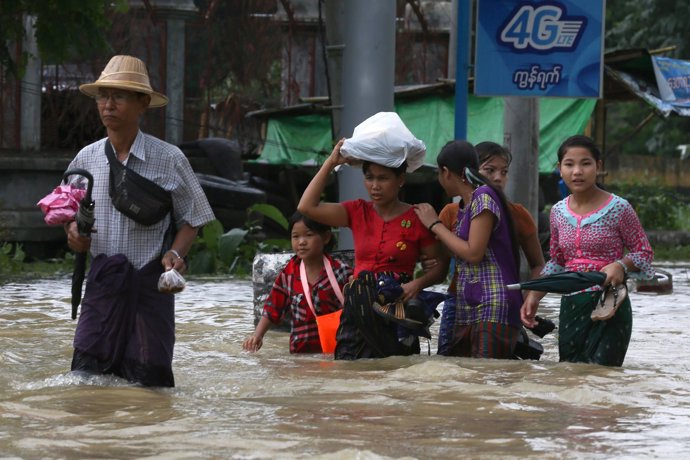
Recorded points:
590,231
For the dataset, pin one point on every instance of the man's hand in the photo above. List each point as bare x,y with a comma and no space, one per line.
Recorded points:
172,259
75,241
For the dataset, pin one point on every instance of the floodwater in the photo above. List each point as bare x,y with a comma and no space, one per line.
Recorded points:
233,404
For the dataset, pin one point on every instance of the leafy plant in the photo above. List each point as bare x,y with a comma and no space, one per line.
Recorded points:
11,258
675,252
63,29
233,251
657,206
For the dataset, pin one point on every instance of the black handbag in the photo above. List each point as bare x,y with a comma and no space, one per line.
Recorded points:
134,195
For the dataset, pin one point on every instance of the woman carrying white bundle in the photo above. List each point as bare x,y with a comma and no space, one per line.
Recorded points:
388,240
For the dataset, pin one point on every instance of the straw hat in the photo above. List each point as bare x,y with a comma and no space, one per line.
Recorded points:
125,72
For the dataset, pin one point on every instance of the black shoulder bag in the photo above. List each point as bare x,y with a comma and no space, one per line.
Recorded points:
134,195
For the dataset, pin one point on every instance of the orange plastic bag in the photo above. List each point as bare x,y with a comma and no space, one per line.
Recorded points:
328,326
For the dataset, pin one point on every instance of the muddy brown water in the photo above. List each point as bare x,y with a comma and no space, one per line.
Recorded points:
232,404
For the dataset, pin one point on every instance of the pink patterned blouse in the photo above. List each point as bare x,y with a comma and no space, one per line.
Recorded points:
589,242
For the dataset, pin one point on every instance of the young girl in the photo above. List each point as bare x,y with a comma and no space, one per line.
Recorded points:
494,164
589,231
311,242
486,320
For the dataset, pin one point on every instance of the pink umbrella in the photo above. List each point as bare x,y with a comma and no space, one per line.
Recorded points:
61,205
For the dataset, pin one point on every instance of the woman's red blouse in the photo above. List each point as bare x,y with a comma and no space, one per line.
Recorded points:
394,245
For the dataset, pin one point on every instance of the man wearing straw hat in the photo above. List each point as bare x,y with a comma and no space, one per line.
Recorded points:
126,326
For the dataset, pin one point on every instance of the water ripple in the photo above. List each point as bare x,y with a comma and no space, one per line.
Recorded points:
270,404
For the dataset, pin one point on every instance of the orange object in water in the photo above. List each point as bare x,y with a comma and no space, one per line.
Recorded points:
328,326
328,323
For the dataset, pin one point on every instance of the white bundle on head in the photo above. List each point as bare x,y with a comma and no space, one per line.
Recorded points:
385,140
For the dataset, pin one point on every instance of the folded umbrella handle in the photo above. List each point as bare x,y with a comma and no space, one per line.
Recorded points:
84,173
84,217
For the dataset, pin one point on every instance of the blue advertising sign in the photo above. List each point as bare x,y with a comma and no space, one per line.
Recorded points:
673,79
539,48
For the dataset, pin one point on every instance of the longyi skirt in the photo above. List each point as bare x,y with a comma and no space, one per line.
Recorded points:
362,332
581,340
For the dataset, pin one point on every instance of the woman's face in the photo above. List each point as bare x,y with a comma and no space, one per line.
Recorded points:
382,184
306,243
579,169
496,170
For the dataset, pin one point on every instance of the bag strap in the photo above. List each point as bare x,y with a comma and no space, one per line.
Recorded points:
334,281
150,187
331,279
113,162
305,286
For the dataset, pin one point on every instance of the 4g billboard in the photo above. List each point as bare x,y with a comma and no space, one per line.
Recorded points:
539,48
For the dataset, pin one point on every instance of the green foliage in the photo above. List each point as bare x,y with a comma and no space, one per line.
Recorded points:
272,213
233,252
15,264
658,207
672,253
650,24
11,258
264,89
229,243
202,257
684,217
235,53
64,29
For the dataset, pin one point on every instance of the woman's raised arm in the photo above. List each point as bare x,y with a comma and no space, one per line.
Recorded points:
310,205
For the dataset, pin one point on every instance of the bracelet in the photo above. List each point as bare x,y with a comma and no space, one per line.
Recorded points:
622,264
434,223
175,253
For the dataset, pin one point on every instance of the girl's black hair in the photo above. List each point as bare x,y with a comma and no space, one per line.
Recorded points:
458,155
314,226
487,150
579,141
399,171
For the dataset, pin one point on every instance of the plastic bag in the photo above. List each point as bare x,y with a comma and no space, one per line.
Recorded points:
171,282
60,205
385,140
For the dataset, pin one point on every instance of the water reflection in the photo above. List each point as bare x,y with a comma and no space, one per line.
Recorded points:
229,403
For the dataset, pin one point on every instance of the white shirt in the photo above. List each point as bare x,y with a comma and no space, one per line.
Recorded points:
160,162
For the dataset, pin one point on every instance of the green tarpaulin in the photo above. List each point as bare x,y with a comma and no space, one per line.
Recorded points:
306,139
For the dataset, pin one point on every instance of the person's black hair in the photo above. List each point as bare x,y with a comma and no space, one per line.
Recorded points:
487,150
457,156
314,226
579,141
399,171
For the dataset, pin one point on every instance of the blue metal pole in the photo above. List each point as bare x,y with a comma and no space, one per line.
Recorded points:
462,67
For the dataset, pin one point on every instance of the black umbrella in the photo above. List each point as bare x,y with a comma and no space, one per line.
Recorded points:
85,221
561,283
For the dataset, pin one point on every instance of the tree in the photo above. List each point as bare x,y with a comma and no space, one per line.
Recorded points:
650,24
64,29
